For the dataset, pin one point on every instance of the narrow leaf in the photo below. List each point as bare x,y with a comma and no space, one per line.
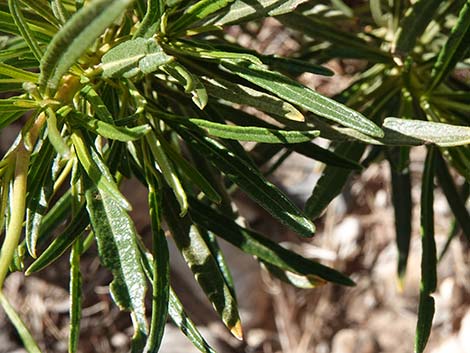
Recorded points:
28,340
413,24
454,48
423,327
161,272
332,181
295,93
75,288
253,183
253,133
186,326
201,262
118,250
444,135
264,249
299,281
61,243
247,10
75,37
19,74
240,94
198,11
456,203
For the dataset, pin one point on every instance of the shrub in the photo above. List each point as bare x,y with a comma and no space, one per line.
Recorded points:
155,90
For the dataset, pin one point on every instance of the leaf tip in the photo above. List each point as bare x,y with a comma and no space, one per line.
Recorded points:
237,330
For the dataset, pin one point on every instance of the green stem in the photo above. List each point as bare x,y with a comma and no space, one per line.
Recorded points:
18,206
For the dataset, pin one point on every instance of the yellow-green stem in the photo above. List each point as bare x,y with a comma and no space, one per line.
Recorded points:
18,205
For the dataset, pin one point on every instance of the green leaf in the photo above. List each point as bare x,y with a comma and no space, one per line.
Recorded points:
29,343
61,243
198,11
295,93
110,131
118,251
252,133
184,323
423,327
326,30
14,104
160,270
294,66
454,49
191,172
189,81
252,182
402,206
332,181
264,249
203,265
75,288
95,167
456,203
43,9
129,58
168,171
247,10
19,74
413,24
444,135
24,29
152,17
240,94
299,281
428,261
100,109
76,37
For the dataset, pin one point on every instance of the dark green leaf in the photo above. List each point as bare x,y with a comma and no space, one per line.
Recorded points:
253,183
201,262
253,133
454,49
118,250
61,243
261,247
184,323
75,289
332,180
456,203
295,93
413,24
423,327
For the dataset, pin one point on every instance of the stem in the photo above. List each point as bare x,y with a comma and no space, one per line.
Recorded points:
18,206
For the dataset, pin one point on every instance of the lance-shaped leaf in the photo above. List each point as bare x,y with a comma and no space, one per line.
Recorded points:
75,288
252,182
252,133
185,324
100,109
402,206
444,135
19,74
295,93
295,279
261,247
152,17
454,48
456,203
198,11
423,327
62,242
416,19
111,131
294,66
133,56
117,246
429,257
28,340
160,271
240,94
203,265
247,10
96,168
332,181
75,37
